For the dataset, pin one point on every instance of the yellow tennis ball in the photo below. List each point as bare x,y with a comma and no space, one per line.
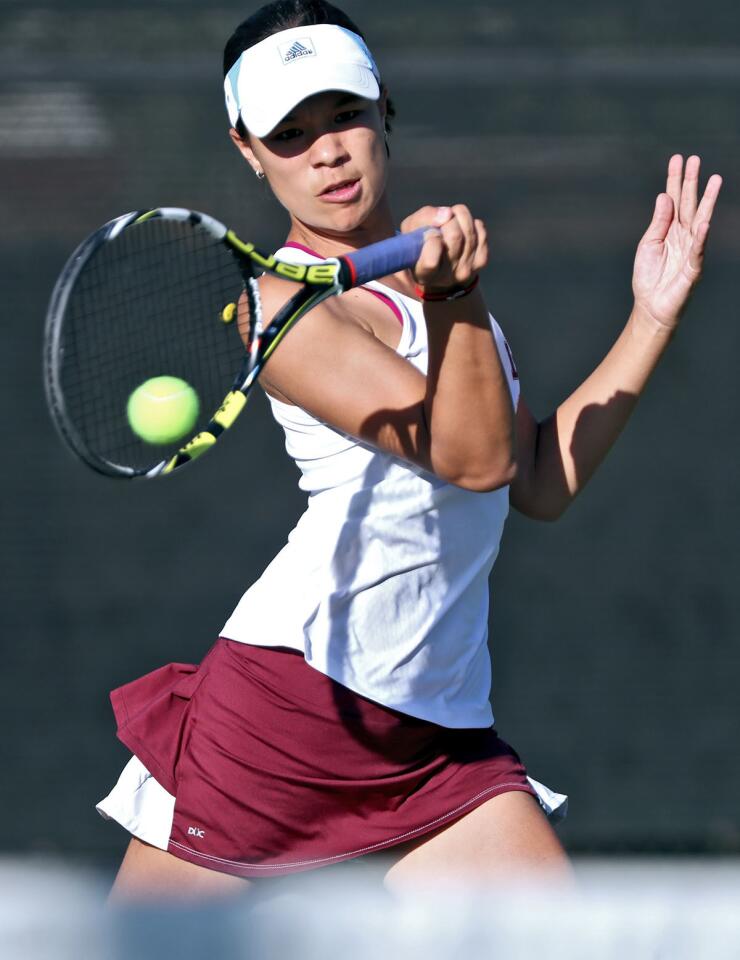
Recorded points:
163,409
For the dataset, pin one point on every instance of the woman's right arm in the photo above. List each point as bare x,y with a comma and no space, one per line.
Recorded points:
457,422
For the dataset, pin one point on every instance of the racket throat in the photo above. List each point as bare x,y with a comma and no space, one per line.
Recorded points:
222,419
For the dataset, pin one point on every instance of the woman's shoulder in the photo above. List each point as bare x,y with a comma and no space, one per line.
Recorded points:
275,293
373,313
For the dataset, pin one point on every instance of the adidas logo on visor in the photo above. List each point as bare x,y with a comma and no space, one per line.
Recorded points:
299,48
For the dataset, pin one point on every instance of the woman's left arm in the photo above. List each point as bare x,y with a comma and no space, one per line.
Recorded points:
557,457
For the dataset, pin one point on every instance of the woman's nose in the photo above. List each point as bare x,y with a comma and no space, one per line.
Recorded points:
328,150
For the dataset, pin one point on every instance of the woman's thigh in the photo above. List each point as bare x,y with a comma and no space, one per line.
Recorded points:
148,873
507,838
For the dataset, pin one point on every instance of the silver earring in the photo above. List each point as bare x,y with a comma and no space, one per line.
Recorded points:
260,174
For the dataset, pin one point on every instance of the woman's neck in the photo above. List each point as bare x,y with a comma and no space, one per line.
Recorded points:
378,226
328,243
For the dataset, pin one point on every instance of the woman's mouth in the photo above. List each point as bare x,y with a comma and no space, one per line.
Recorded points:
342,192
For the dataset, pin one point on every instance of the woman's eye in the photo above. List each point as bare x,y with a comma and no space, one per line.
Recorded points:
347,115
290,134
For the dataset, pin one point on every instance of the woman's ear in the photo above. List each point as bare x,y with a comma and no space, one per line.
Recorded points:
245,149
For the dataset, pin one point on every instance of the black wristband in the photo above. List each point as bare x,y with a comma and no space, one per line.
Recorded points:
454,293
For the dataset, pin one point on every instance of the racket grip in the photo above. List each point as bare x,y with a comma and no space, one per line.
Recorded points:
383,258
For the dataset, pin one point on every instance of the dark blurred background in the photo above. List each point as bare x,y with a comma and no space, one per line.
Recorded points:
614,631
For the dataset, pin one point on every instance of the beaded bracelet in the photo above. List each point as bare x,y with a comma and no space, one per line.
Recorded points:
454,293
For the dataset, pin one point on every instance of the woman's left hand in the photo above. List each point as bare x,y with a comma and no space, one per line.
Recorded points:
670,255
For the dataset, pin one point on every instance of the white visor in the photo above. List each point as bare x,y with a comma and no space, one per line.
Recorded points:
271,77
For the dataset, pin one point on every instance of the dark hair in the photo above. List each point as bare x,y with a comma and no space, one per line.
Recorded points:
284,15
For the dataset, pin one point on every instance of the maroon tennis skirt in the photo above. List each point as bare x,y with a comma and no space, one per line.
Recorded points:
276,768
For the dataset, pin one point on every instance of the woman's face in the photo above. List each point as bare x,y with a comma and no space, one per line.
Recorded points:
326,161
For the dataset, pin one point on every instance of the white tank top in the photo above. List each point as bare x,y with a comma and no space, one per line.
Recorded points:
383,583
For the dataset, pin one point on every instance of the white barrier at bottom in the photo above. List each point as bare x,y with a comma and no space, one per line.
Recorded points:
677,910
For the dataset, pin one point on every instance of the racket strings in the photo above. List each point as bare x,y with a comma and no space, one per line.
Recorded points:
149,303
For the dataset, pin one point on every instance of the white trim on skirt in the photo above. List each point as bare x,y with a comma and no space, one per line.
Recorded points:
143,807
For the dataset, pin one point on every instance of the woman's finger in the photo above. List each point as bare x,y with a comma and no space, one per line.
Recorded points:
662,219
706,206
689,190
426,217
481,253
675,175
431,258
696,254
453,235
464,266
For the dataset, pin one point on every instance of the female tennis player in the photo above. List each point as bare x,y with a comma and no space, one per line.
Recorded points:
344,711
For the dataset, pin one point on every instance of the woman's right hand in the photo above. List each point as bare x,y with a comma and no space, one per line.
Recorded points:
455,250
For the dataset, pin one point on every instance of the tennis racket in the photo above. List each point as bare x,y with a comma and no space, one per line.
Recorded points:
172,293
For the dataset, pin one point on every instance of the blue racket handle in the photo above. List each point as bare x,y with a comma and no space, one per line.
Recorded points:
382,259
